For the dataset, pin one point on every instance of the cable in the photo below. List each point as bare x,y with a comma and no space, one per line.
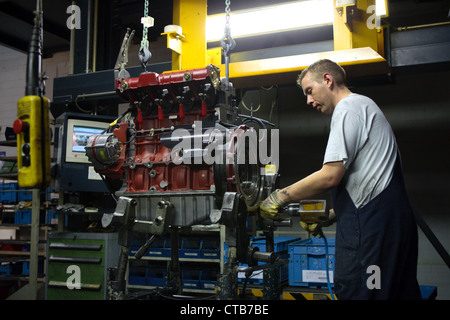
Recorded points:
326,265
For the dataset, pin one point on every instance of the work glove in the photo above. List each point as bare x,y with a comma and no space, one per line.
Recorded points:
316,227
269,208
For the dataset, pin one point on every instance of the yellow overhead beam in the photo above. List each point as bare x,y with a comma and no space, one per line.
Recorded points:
283,70
357,46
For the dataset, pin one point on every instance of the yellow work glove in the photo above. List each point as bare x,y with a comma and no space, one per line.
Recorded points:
315,227
269,208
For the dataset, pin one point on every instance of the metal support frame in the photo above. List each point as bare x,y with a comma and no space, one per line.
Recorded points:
34,245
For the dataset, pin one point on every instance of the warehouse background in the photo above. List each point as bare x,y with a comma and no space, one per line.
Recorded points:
416,101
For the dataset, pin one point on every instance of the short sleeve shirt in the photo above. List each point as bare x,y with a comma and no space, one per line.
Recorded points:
362,138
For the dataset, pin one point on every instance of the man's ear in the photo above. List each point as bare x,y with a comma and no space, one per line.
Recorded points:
327,78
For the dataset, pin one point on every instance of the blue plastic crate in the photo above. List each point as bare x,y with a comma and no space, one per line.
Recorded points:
190,248
159,248
428,292
8,192
137,276
308,262
23,216
51,215
191,278
156,276
280,247
24,195
210,248
5,270
280,244
208,279
26,267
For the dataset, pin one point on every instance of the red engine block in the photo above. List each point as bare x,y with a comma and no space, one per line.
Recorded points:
145,160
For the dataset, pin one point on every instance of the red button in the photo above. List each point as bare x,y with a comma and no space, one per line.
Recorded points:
20,126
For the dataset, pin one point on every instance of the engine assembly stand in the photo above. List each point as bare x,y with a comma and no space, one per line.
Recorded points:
233,216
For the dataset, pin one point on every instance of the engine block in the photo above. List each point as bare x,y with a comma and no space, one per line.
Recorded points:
142,148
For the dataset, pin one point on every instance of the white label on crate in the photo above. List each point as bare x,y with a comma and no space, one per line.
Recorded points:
255,275
316,276
192,254
92,175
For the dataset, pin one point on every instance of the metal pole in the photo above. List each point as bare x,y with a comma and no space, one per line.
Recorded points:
34,243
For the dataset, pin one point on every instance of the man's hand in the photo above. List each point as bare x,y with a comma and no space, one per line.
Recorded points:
269,208
315,228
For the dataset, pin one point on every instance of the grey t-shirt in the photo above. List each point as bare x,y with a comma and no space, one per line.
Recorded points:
362,138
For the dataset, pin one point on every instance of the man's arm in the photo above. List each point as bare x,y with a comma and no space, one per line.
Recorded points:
315,184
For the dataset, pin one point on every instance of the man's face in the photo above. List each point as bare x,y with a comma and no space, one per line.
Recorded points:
318,94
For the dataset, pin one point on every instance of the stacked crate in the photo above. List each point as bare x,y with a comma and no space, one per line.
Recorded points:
151,270
309,260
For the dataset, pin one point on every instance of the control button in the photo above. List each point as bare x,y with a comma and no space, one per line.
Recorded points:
20,126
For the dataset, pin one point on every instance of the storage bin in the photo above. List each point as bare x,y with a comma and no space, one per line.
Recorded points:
208,279
26,267
137,276
156,276
190,248
24,195
428,292
8,192
191,278
23,216
159,248
5,270
51,217
308,262
280,247
210,249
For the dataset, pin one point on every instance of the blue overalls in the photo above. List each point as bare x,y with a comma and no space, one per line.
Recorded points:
383,234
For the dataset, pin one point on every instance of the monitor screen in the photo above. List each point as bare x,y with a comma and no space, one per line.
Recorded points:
77,134
81,135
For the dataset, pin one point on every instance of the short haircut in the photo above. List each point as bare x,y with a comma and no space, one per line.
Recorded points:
318,68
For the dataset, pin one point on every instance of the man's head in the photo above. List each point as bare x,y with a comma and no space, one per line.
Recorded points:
322,83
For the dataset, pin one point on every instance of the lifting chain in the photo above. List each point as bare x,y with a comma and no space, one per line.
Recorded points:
227,41
144,52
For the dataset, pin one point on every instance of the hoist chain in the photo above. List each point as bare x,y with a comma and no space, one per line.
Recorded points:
227,41
144,41
144,52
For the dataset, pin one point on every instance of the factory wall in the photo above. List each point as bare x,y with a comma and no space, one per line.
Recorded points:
13,76
416,104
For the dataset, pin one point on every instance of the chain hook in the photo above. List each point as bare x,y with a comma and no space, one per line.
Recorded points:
144,51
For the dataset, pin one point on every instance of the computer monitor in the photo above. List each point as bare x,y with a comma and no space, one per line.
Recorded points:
73,170
77,134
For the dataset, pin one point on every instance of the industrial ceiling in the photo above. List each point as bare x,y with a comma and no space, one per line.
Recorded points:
17,17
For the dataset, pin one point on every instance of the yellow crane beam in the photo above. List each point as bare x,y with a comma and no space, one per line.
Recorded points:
358,46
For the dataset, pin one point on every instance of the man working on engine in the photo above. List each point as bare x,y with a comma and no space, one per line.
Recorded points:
361,167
